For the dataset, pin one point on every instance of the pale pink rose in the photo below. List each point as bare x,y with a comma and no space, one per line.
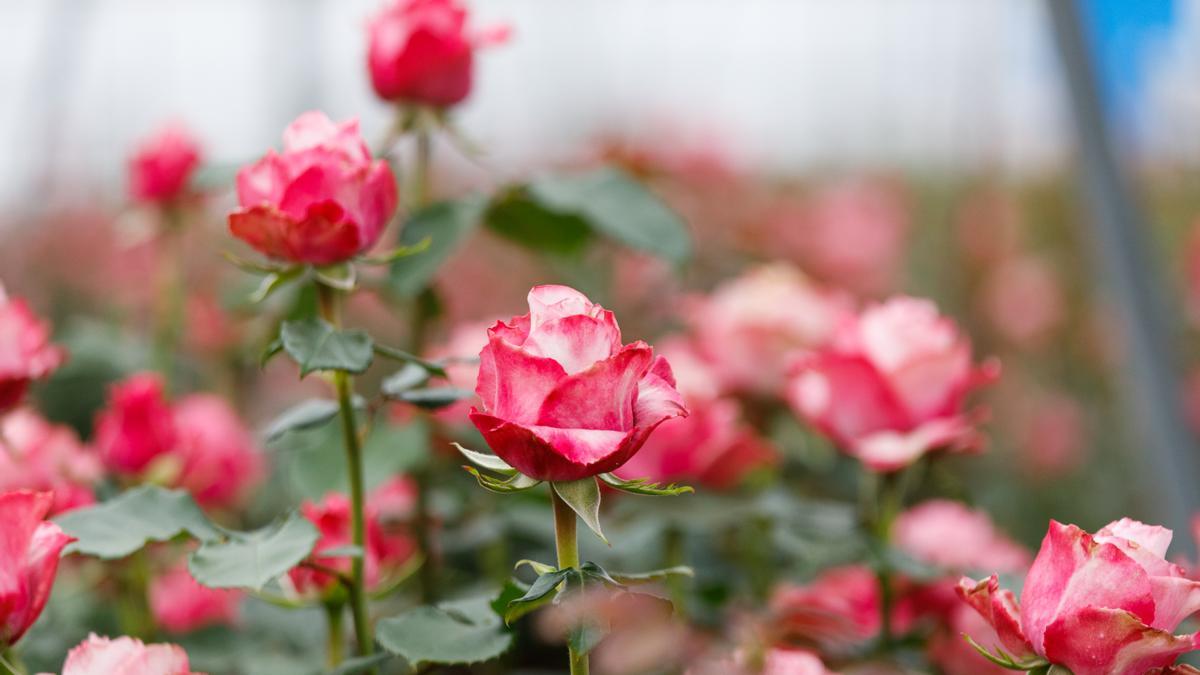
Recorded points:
562,398
461,356
792,661
219,460
1023,300
892,386
125,656
136,427
26,353
163,163
750,327
851,234
840,606
389,541
38,455
29,552
947,534
421,52
181,605
1099,605
320,202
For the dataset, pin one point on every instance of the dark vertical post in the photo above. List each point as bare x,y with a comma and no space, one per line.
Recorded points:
1124,260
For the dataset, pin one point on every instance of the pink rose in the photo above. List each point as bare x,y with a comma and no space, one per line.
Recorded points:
793,661
421,52
748,327
180,605
320,202
892,385
136,427
947,534
219,458
841,606
562,398
953,655
389,542
1098,605
163,163
25,350
38,455
29,551
125,656
1023,300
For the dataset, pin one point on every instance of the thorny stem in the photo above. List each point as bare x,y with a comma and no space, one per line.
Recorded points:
329,303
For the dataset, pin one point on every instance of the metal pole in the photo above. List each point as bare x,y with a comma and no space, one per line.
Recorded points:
1124,260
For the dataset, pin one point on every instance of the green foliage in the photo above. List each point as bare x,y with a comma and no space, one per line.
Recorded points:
316,345
446,225
517,216
583,496
251,559
462,632
432,398
641,486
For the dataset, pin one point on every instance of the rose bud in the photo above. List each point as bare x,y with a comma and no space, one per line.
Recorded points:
125,656
136,427
38,455
421,53
562,398
389,545
1097,605
29,551
219,458
322,201
769,316
162,165
892,385
25,350
181,605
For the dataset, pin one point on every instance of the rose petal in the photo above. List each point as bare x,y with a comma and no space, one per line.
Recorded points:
1103,641
556,454
999,608
844,397
601,397
575,342
513,383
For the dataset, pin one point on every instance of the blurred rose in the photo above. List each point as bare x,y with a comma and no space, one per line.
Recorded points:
29,550
125,656
181,605
219,458
750,326
1098,605
211,328
461,354
851,234
136,427
1023,300
388,541
37,455
25,350
163,163
322,201
562,398
421,53
841,606
951,653
892,386
947,534
1051,433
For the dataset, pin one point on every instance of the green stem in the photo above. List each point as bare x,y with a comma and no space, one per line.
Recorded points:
884,500
10,664
329,302
336,650
422,173
133,604
567,546
172,284
673,557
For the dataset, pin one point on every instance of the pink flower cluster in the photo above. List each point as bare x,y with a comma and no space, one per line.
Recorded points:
38,455
26,353
197,443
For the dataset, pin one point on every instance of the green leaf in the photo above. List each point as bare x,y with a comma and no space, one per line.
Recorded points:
537,567
401,355
641,486
653,576
484,460
251,559
583,496
446,225
516,216
275,281
432,398
316,345
308,414
361,664
398,253
538,594
617,205
342,276
253,266
120,526
270,351
317,462
584,637
515,483
461,632
410,376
